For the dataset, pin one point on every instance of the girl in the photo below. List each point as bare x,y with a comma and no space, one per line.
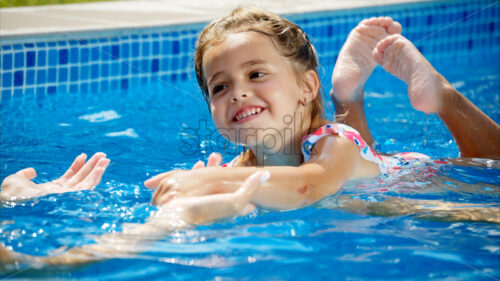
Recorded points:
258,72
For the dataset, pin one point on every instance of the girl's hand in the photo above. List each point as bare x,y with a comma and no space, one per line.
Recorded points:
79,176
171,184
208,208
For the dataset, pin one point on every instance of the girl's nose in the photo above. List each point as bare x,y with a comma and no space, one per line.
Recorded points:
240,95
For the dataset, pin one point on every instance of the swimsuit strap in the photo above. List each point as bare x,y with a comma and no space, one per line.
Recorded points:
342,130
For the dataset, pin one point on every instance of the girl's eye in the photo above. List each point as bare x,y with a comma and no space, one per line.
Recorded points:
218,88
256,74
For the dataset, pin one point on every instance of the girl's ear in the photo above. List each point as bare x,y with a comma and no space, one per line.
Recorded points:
311,85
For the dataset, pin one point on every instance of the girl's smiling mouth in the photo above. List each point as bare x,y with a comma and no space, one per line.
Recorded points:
246,114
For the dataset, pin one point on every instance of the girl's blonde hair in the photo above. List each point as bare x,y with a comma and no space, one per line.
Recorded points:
290,41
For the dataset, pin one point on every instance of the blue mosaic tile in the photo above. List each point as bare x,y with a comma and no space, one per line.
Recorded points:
17,46
18,78
145,49
41,76
19,60
105,70
84,55
124,84
53,57
6,80
84,72
73,88
73,55
144,66
95,51
30,58
115,51
94,71
105,53
125,50
134,67
52,75
114,84
6,94
51,89
73,76
30,77
41,58
135,50
18,93
29,45
125,68
155,65
84,88
175,47
115,68
63,56
104,86
94,87
7,62
63,75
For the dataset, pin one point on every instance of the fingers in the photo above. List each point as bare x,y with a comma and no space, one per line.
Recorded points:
75,166
94,177
163,194
252,183
200,164
28,173
84,171
155,181
214,160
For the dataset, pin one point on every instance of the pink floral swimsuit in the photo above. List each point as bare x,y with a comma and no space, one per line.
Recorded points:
387,164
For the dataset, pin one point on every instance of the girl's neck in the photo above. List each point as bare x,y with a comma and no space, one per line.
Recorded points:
290,154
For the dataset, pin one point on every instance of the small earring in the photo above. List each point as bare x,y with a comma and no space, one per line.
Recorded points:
305,102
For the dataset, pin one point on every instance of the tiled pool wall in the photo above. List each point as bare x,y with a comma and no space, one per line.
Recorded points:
124,59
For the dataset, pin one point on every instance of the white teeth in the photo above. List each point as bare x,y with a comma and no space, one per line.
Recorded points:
247,113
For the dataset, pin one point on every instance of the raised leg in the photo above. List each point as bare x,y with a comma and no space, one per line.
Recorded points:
475,133
353,67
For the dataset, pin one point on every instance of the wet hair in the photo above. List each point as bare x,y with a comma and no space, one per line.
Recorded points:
288,38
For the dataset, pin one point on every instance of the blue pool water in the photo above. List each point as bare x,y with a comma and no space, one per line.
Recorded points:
150,129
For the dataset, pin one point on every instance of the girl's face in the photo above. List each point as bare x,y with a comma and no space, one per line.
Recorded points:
253,90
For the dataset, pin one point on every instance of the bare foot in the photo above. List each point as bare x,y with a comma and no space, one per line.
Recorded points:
355,62
426,87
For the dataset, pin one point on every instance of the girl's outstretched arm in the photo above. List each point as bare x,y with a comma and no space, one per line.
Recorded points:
81,175
334,161
176,214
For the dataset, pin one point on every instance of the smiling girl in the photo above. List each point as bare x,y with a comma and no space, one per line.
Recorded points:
258,73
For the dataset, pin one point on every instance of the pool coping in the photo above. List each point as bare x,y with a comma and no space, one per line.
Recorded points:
19,22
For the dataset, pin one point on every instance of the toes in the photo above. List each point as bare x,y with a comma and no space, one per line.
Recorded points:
390,26
382,45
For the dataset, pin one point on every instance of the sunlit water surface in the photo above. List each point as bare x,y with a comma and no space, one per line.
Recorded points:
153,129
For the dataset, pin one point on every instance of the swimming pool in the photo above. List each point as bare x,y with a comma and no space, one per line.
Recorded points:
133,96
